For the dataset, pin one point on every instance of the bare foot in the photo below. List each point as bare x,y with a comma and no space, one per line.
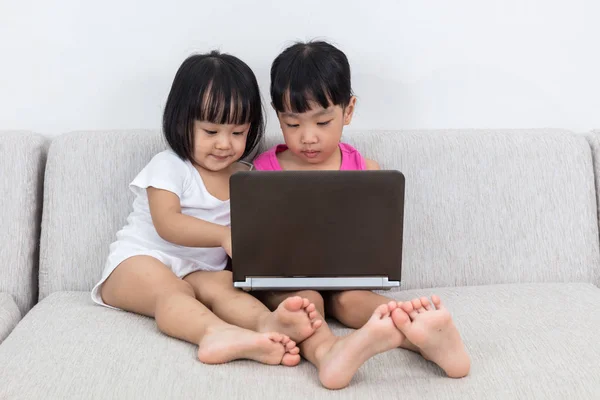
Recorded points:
296,317
340,362
221,345
431,329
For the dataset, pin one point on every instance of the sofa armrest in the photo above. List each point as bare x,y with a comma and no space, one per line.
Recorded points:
594,141
9,315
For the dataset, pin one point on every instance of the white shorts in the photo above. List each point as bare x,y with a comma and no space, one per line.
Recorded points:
180,267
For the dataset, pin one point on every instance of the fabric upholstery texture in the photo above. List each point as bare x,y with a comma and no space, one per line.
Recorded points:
22,160
527,341
482,207
9,315
503,223
594,141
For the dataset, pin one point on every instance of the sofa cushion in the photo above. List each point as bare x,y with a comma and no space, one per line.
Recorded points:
86,201
594,140
22,160
525,340
482,207
487,207
9,315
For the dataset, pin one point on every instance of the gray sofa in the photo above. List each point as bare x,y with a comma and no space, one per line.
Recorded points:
503,225
22,160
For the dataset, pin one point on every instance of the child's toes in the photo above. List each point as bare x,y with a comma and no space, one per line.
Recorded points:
437,302
418,306
290,360
426,304
290,345
409,309
401,319
275,337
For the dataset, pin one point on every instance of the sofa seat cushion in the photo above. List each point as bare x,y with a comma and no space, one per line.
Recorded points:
9,315
525,340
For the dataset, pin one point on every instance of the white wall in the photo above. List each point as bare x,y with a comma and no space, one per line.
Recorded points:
71,64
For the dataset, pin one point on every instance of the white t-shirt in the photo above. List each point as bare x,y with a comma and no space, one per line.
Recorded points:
169,172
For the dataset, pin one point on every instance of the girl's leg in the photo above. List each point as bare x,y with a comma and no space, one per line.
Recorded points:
295,317
354,308
426,328
144,285
338,358
272,299
430,327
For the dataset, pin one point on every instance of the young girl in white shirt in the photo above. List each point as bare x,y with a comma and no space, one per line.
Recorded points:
169,261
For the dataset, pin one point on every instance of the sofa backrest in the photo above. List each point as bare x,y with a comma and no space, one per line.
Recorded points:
482,207
22,160
491,206
86,200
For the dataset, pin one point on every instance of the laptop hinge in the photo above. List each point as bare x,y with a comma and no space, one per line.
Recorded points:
321,283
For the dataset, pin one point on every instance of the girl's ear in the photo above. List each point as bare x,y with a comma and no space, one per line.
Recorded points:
349,110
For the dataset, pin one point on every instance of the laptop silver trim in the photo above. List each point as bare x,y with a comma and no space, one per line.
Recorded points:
329,283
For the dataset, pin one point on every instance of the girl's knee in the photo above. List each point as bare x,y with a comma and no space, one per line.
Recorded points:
312,295
223,279
212,286
168,298
184,288
208,280
345,299
177,287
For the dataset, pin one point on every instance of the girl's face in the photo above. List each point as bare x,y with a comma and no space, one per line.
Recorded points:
313,136
217,146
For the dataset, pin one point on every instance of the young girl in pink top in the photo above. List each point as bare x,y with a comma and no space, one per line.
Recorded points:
312,94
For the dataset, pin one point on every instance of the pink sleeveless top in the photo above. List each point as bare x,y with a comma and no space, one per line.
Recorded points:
352,160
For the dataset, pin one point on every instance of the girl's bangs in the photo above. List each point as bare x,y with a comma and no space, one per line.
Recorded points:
223,104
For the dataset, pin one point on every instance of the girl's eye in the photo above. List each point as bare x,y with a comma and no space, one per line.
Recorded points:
293,125
324,123
210,132
238,133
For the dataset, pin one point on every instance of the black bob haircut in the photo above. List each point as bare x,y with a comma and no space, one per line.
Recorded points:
213,87
310,72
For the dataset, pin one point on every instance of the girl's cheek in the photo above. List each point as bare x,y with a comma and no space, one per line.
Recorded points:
242,143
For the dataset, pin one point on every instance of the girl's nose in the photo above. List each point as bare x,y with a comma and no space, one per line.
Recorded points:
308,137
223,142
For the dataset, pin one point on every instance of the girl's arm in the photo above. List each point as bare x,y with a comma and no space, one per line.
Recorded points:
371,165
181,229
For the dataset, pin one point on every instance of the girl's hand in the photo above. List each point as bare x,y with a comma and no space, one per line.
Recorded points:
226,242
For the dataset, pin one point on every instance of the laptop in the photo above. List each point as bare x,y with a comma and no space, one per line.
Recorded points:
319,230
